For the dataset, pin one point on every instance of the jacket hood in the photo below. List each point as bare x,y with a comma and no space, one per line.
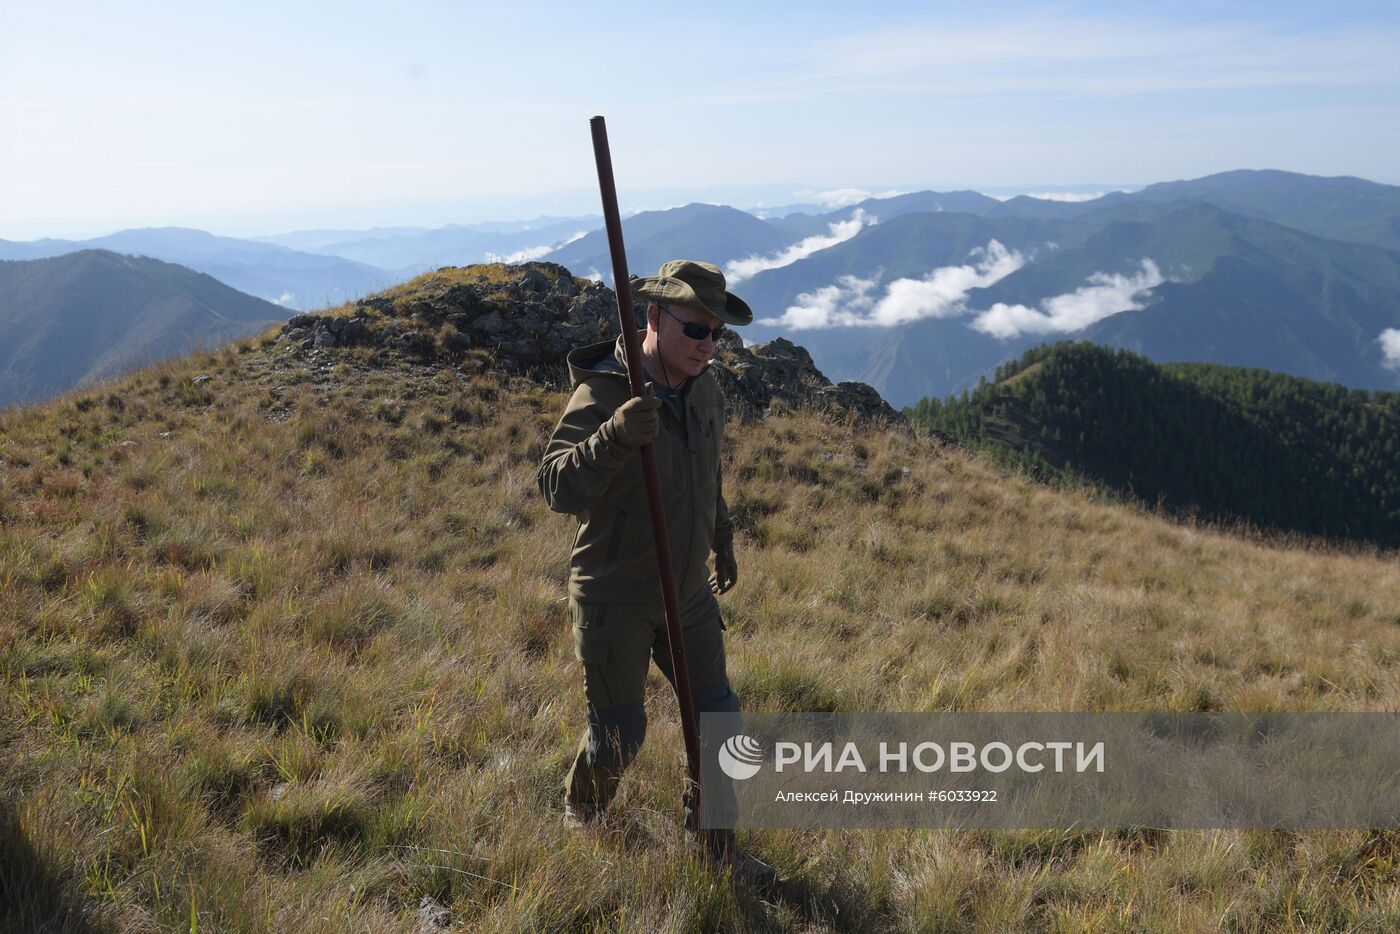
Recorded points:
605,358
585,361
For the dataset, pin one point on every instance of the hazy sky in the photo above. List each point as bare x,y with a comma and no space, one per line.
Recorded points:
255,117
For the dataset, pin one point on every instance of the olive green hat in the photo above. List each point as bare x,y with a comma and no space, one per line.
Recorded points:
698,285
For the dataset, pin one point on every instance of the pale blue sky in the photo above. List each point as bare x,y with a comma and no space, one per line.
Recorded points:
256,117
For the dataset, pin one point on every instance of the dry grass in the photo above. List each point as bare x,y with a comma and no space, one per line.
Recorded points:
305,659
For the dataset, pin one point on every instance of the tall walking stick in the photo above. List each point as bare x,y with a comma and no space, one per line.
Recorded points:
627,318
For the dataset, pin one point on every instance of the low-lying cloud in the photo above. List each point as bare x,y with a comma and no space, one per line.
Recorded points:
1070,196
531,252
1390,347
845,302
740,269
1105,295
854,301
941,293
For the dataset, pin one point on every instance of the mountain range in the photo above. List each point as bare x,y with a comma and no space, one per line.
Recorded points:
1228,289
287,277
922,294
408,251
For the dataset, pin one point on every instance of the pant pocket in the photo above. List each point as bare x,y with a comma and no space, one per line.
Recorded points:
591,644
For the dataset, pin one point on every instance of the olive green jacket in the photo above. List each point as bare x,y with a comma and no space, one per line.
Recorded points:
601,482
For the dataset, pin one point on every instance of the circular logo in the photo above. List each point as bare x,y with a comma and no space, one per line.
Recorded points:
741,756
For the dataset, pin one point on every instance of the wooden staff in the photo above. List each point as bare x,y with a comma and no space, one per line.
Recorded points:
627,317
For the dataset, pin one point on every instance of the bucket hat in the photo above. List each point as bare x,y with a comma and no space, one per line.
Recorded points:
698,285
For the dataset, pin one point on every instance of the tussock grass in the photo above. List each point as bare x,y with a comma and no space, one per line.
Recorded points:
305,660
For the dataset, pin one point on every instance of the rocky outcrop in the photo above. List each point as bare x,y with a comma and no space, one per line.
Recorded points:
527,317
779,372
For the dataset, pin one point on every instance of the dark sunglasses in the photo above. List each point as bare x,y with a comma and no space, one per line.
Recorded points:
694,329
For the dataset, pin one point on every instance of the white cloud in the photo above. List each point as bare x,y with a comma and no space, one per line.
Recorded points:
740,269
1105,295
842,197
594,274
286,300
1390,347
1074,197
940,294
852,301
843,303
1071,196
519,256
531,252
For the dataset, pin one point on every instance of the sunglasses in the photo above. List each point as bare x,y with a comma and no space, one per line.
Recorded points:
694,329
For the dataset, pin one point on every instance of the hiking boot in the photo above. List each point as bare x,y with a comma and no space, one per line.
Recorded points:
582,815
722,850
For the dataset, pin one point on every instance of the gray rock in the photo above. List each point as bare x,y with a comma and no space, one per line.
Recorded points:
779,372
354,332
414,343
532,280
432,916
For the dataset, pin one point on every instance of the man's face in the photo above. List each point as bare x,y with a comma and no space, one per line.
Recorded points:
682,354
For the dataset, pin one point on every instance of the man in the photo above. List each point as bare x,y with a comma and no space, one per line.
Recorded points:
592,469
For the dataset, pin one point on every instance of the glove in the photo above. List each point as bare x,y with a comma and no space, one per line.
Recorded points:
726,568
634,423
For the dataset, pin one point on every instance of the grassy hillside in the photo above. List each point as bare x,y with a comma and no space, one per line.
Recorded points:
1230,443
287,651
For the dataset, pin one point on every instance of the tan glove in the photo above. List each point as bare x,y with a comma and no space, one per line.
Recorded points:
726,568
634,423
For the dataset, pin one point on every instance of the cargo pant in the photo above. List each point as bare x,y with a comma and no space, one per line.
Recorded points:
616,644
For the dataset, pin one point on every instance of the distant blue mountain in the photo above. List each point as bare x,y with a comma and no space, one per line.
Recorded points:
1340,208
714,233
412,250
273,273
69,321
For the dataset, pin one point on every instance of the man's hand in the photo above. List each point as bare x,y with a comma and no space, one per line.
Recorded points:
726,569
634,423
